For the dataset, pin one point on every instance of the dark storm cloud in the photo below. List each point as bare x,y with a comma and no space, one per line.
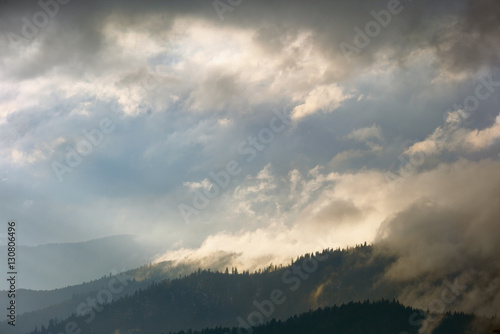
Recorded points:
463,35
73,37
473,39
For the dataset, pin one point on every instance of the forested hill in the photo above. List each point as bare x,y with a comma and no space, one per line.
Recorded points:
207,298
382,317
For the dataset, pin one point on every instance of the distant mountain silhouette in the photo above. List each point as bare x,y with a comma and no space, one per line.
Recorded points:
54,266
35,308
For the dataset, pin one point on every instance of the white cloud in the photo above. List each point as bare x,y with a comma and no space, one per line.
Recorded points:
430,221
453,137
481,139
324,98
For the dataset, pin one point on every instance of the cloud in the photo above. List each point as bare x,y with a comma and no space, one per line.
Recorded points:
438,231
323,98
445,137
434,228
481,139
472,39
366,133
338,211
185,89
452,137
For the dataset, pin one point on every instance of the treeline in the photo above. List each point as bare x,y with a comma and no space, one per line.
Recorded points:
205,299
381,317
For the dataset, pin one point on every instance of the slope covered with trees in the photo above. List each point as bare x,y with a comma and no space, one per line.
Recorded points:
379,317
206,298
273,296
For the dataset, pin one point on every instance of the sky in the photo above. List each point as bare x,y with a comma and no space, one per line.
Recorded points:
265,129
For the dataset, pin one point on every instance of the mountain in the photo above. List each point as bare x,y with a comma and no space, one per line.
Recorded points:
35,308
54,266
174,296
364,318
207,299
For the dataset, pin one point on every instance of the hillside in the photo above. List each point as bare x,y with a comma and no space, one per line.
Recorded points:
37,307
207,299
380,317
